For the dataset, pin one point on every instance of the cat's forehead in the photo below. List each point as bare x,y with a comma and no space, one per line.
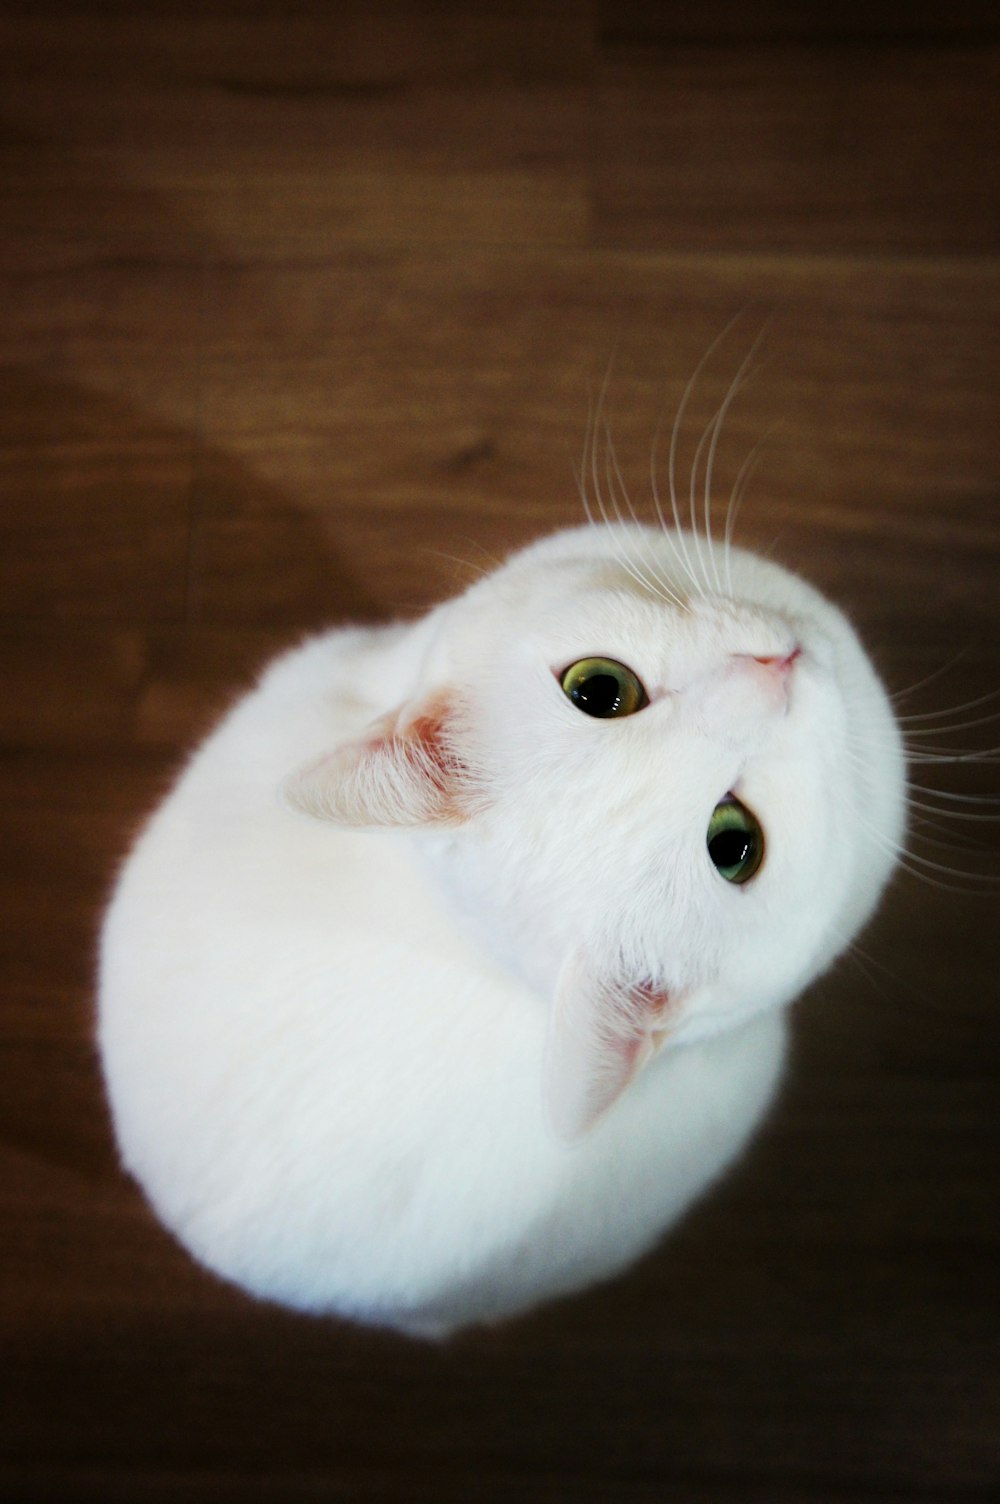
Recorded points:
542,589
536,573
642,565
594,603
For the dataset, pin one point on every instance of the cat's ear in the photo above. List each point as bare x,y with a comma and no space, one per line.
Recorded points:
602,1031
408,769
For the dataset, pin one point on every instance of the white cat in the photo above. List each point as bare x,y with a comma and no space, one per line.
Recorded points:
453,967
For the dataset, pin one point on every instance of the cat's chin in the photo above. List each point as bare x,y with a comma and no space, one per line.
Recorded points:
702,1026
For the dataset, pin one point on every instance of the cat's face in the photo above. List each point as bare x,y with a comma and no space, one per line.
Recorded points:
676,795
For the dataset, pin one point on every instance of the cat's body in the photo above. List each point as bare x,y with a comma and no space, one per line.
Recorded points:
477,1034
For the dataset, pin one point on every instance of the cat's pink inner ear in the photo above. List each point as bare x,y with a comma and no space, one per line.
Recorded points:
602,1030
408,769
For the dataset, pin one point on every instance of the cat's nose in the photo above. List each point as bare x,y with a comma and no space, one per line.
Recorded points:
771,672
778,663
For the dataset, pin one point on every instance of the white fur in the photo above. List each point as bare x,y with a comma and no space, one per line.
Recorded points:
474,1030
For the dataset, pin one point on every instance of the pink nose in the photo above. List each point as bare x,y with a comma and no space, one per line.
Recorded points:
780,665
771,674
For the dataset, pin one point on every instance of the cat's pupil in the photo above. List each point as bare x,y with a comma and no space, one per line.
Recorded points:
731,848
600,695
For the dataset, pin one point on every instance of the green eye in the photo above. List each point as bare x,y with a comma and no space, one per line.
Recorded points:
735,841
603,688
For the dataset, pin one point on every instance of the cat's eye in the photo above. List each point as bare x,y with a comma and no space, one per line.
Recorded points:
603,688
735,841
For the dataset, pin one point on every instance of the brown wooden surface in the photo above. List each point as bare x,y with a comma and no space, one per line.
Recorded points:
303,308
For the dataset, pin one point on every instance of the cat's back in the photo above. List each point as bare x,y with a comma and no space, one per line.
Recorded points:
221,836
238,927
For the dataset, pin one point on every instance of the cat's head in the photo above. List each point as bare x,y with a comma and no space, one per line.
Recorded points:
660,779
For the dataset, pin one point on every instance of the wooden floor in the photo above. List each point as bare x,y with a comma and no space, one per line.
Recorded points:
304,309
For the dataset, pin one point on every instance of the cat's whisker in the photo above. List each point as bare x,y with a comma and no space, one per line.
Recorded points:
914,992
465,565
738,381
939,756
720,418
594,467
920,866
624,532
580,472
940,760
939,715
629,534
675,542
931,832
919,756
924,788
674,532
693,515
698,576
591,461
864,960
693,507
614,529
944,668
672,459
468,566
736,495
612,520
859,953
644,564
905,863
951,814
984,720
626,527
849,952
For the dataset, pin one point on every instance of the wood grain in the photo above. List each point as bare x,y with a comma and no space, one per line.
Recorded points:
305,315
